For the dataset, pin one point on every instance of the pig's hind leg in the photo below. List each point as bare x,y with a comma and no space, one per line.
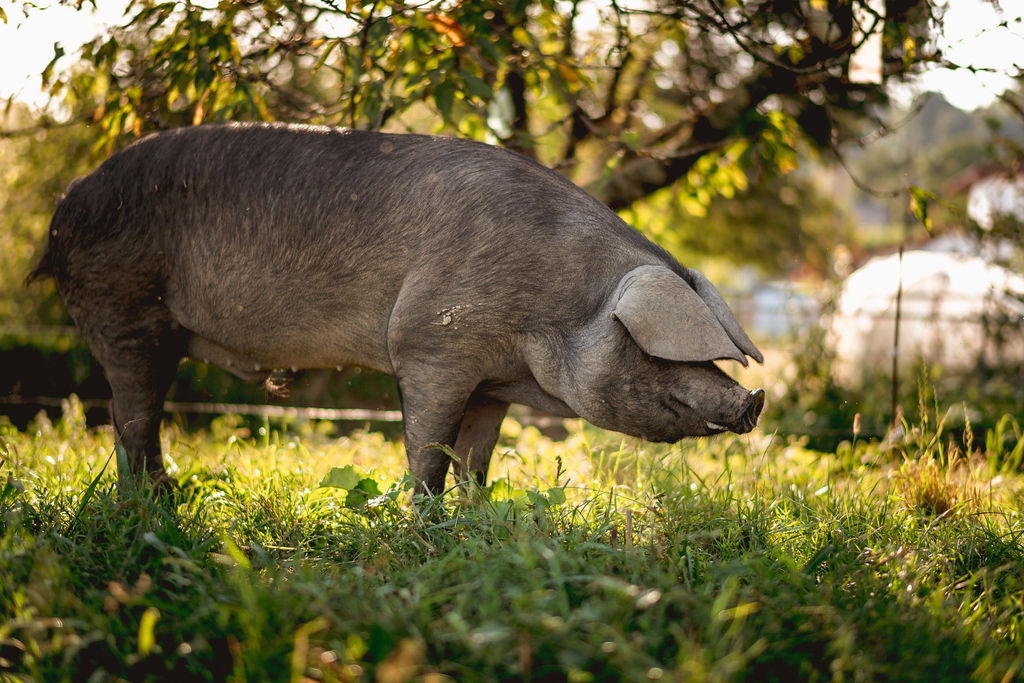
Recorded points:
139,346
139,381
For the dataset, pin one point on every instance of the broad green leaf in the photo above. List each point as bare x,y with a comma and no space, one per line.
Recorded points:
341,478
556,496
476,86
362,492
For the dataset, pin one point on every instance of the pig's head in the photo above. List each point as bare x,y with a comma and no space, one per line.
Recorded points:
645,364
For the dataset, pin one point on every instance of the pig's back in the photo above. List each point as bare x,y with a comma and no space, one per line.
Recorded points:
314,195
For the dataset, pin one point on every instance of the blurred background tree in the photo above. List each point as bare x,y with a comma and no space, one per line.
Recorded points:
714,126
35,167
705,97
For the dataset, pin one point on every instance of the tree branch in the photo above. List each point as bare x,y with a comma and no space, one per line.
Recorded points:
639,176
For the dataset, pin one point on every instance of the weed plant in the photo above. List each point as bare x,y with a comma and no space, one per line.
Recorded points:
596,558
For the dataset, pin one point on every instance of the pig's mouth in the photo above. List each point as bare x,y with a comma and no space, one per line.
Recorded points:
747,419
691,423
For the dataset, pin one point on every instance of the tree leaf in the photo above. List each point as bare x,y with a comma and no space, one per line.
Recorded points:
476,86
449,28
919,205
325,53
444,98
58,52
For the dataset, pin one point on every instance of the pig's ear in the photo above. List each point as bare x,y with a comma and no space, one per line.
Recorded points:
668,319
706,291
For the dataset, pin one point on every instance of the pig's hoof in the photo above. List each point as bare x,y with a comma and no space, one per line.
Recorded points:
157,485
163,484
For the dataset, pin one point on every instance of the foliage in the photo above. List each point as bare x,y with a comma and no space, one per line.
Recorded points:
934,143
779,225
30,184
625,101
684,112
590,559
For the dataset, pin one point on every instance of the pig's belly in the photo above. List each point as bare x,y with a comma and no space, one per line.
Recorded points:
252,355
250,333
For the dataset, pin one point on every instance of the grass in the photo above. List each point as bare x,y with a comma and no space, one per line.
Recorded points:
596,558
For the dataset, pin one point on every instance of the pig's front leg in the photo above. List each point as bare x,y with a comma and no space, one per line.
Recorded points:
436,358
431,415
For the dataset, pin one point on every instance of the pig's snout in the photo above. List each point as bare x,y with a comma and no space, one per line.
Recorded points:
747,419
751,411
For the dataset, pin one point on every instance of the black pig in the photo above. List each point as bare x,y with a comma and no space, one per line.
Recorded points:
473,275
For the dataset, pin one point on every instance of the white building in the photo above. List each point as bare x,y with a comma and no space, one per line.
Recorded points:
956,311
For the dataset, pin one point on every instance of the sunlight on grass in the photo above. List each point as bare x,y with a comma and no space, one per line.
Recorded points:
596,557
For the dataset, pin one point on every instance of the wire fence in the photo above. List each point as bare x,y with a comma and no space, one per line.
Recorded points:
772,312
772,315
254,409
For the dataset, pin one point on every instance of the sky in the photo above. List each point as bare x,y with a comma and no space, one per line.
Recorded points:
26,43
971,37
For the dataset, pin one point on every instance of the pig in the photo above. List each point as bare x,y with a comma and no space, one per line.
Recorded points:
473,275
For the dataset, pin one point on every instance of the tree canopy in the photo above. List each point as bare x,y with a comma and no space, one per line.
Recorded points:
626,98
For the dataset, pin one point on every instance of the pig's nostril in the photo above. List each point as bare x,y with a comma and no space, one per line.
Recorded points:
754,408
756,402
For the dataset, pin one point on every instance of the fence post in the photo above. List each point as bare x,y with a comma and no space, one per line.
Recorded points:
895,396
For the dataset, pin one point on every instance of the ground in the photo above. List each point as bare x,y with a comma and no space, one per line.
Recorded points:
593,558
